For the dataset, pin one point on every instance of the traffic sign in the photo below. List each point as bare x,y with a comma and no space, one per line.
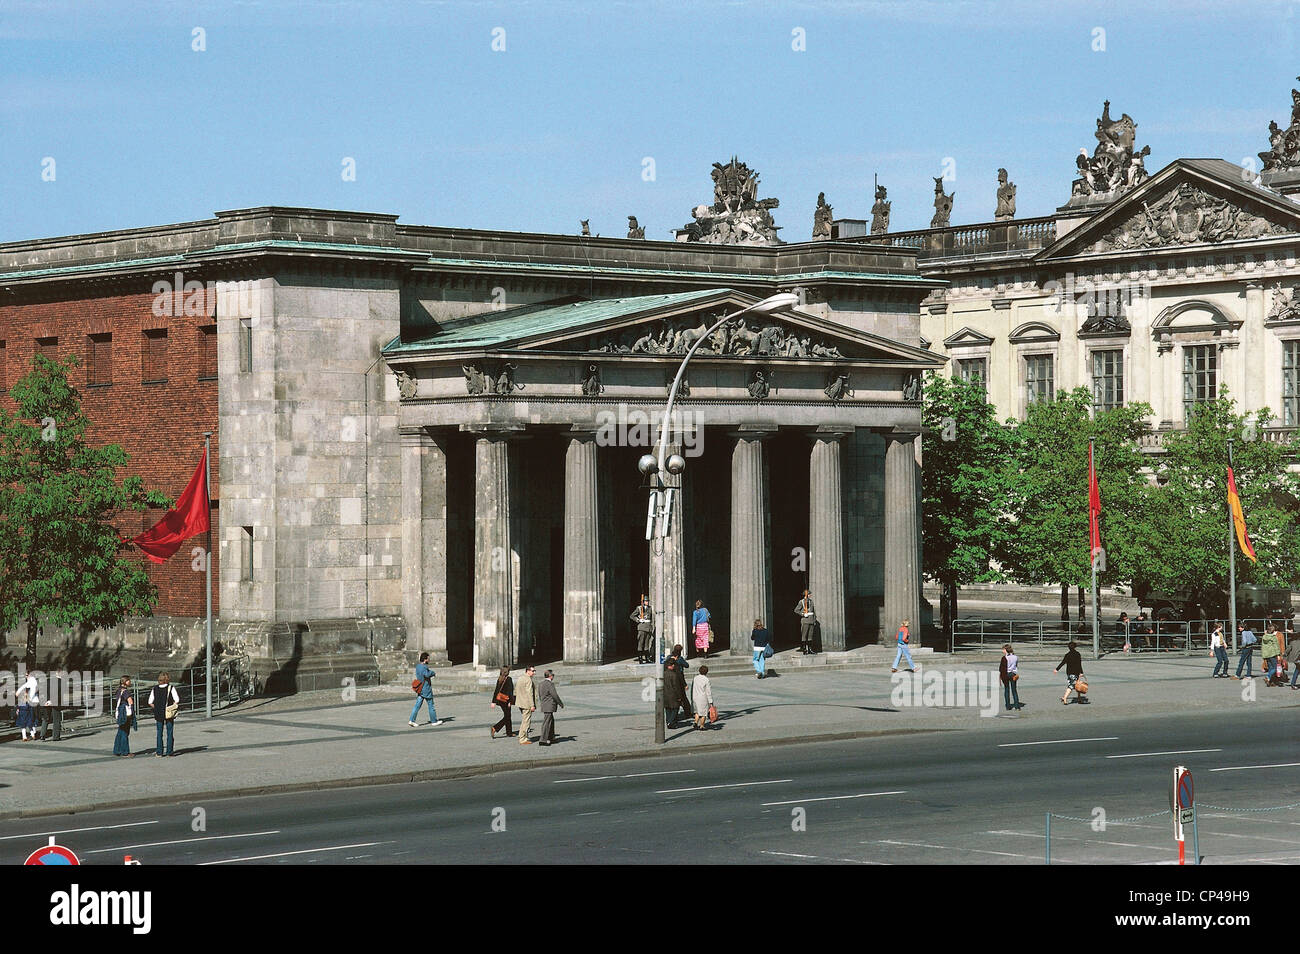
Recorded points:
1181,804
52,854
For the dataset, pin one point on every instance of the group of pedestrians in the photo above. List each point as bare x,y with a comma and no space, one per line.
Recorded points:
1278,654
526,696
1009,676
164,701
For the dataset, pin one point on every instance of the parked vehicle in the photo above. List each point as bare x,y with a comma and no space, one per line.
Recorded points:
1253,602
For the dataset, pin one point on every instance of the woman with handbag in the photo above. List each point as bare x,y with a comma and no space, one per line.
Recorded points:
700,626
25,715
165,702
124,707
503,697
762,641
1073,664
702,697
1008,672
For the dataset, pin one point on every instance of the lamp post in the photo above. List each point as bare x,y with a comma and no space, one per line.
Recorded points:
658,518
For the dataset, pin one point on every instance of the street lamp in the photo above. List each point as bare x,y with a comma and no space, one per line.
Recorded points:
659,512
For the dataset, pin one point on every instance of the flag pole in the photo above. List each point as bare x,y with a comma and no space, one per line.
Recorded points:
207,577
1232,563
1096,610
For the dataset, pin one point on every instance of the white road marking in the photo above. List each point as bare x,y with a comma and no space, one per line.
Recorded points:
978,851
701,788
1011,745
1143,755
182,841
1253,818
585,814
1091,841
69,831
601,778
791,854
286,854
831,798
1242,768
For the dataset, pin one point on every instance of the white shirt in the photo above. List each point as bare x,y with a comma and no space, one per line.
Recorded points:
29,687
1012,662
1216,639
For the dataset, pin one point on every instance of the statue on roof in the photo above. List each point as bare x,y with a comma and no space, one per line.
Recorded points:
1284,144
880,212
634,231
737,216
942,205
1006,198
822,218
1114,167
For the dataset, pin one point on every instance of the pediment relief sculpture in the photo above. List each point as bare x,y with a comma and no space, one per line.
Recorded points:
1187,215
1286,305
737,337
498,380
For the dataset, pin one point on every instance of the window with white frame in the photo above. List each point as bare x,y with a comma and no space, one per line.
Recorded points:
1108,379
973,371
1040,378
1200,376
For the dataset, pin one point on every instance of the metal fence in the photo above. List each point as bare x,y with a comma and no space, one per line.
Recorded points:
1145,636
233,681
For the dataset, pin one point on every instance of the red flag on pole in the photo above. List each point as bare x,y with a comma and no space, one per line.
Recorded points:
188,518
1239,518
1094,508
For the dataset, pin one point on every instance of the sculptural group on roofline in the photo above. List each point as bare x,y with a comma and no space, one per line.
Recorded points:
737,216
1114,165
1284,144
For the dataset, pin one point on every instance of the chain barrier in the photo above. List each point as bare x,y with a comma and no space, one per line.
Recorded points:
1110,821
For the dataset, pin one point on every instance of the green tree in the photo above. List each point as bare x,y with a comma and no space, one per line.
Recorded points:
1188,509
965,451
1048,493
62,561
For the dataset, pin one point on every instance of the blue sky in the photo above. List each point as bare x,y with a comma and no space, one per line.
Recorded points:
144,130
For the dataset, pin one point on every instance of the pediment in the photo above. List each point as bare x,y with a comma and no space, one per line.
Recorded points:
1192,202
665,327
967,338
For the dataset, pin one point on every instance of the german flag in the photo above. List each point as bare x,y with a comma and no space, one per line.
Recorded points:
1239,518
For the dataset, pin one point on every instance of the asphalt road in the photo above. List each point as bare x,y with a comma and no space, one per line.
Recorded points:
929,798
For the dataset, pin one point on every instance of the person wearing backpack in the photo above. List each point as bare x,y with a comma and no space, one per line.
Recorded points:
904,637
422,684
165,702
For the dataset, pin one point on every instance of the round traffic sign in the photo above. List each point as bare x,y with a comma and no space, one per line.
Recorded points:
1185,790
52,854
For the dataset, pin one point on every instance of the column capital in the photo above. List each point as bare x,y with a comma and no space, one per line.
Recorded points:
830,432
899,433
753,432
493,431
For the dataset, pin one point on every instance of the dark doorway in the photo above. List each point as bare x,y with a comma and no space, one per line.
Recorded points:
788,489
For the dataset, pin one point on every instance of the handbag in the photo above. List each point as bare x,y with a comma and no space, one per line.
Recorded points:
173,708
713,712
767,651
417,685
1015,677
502,699
1080,685
710,635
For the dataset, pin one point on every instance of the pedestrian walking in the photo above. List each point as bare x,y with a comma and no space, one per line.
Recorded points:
675,694
423,686
644,619
526,700
1122,629
1270,648
1292,655
124,711
503,697
1247,640
165,702
700,626
1219,650
807,623
702,698
28,699
762,641
904,637
1009,674
1073,664
550,700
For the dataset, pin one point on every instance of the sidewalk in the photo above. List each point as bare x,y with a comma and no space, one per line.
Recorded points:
316,740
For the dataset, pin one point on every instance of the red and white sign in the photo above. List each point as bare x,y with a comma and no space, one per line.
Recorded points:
52,854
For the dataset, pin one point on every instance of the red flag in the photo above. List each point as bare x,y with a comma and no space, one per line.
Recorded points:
1239,518
1094,508
188,518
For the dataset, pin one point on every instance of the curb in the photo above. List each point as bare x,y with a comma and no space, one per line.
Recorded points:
432,775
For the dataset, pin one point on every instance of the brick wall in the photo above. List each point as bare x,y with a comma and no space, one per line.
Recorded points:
160,425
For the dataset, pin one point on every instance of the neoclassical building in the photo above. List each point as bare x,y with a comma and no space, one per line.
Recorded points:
426,438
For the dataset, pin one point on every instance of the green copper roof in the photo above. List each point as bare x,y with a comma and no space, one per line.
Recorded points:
497,328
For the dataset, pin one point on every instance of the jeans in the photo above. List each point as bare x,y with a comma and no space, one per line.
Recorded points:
1220,659
903,654
1270,667
760,660
1010,694
421,700
1246,661
122,741
1295,674
171,729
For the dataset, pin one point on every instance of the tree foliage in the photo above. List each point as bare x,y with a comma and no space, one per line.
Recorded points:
62,561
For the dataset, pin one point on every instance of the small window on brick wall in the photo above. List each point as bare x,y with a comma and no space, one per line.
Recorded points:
246,553
48,348
208,353
153,359
99,360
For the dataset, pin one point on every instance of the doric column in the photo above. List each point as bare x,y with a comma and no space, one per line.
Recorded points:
413,568
673,556
584,636
826,538
424,542
494,634
751,589
902,530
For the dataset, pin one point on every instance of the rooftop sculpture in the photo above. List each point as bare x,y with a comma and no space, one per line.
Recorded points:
1284,144
737,216
1114,166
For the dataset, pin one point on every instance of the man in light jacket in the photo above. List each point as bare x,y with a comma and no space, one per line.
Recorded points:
550,700
526,700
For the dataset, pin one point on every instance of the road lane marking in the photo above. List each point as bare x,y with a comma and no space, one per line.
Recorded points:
1105,738
182,841
69,831
1090,841
1242,768
701,788
831,798
602,778
791,854
1143,755
286,854
978,851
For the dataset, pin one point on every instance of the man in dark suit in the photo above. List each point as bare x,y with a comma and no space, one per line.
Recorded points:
549,700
